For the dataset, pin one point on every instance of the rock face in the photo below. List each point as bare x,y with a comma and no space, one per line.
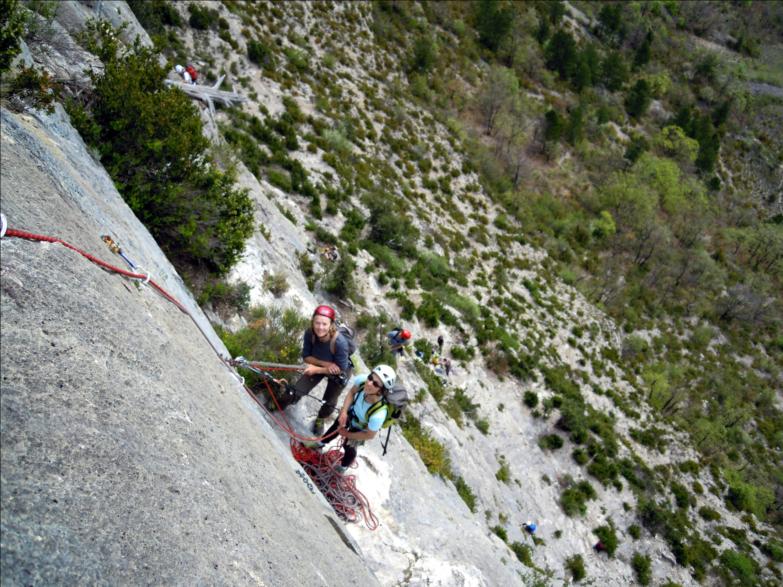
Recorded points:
130,452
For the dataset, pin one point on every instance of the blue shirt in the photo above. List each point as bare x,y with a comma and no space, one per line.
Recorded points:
361,407
322,350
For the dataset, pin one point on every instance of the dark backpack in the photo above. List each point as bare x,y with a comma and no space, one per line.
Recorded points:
347,333
396,399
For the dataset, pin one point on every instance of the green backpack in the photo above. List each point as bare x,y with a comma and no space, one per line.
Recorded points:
395,401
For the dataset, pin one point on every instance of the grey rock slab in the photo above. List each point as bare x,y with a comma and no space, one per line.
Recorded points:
130,453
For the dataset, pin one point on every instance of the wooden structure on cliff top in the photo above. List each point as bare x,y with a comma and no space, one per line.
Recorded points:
208,94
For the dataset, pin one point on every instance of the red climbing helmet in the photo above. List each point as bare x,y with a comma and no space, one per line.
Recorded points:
405,334
326,311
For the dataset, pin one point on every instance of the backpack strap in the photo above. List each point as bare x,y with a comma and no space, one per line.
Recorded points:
376,407
385,445
333,342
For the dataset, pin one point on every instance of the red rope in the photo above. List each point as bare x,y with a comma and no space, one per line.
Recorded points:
53,239
339,490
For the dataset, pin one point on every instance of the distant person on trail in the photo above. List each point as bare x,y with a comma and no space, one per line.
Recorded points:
358,421
440,344
446,362
399,338
326,353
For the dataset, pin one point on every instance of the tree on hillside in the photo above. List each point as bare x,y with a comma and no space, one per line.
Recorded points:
611,25
150,141
497,93
587,68
614,71
12,23
424,53
493,23
638,99
561,55
642,54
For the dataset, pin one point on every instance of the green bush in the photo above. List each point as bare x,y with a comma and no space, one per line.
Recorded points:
500,532
260,54
155,15
531,399
202,18
433,454
433,382
607,535
681,495
709,514
580,456
12,24
277,283
151,143
743,568
224,297
271,335
642,566
462,353
550,442
574,499
634,531
774,550
523,553
503,474
576,566
466,493
340,281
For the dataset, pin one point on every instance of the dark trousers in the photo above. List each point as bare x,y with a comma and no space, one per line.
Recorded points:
334,387
348,447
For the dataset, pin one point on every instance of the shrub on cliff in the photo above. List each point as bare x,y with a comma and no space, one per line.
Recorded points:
150,140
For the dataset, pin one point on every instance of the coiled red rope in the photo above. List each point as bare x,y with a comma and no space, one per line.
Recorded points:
339,489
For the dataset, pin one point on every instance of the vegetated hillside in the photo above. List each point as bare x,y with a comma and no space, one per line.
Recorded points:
434,143
484,168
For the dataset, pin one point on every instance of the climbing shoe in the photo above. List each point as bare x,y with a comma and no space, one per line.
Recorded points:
318,426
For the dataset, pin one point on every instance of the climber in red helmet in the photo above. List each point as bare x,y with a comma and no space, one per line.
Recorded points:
326,353
399,338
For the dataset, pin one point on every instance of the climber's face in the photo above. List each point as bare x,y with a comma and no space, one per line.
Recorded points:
321,326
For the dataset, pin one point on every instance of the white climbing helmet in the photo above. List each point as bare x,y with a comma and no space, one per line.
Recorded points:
387,375
179,69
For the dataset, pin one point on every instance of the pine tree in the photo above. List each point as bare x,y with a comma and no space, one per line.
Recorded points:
553,129
614,71
642,55
561,54
638,99
492,23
